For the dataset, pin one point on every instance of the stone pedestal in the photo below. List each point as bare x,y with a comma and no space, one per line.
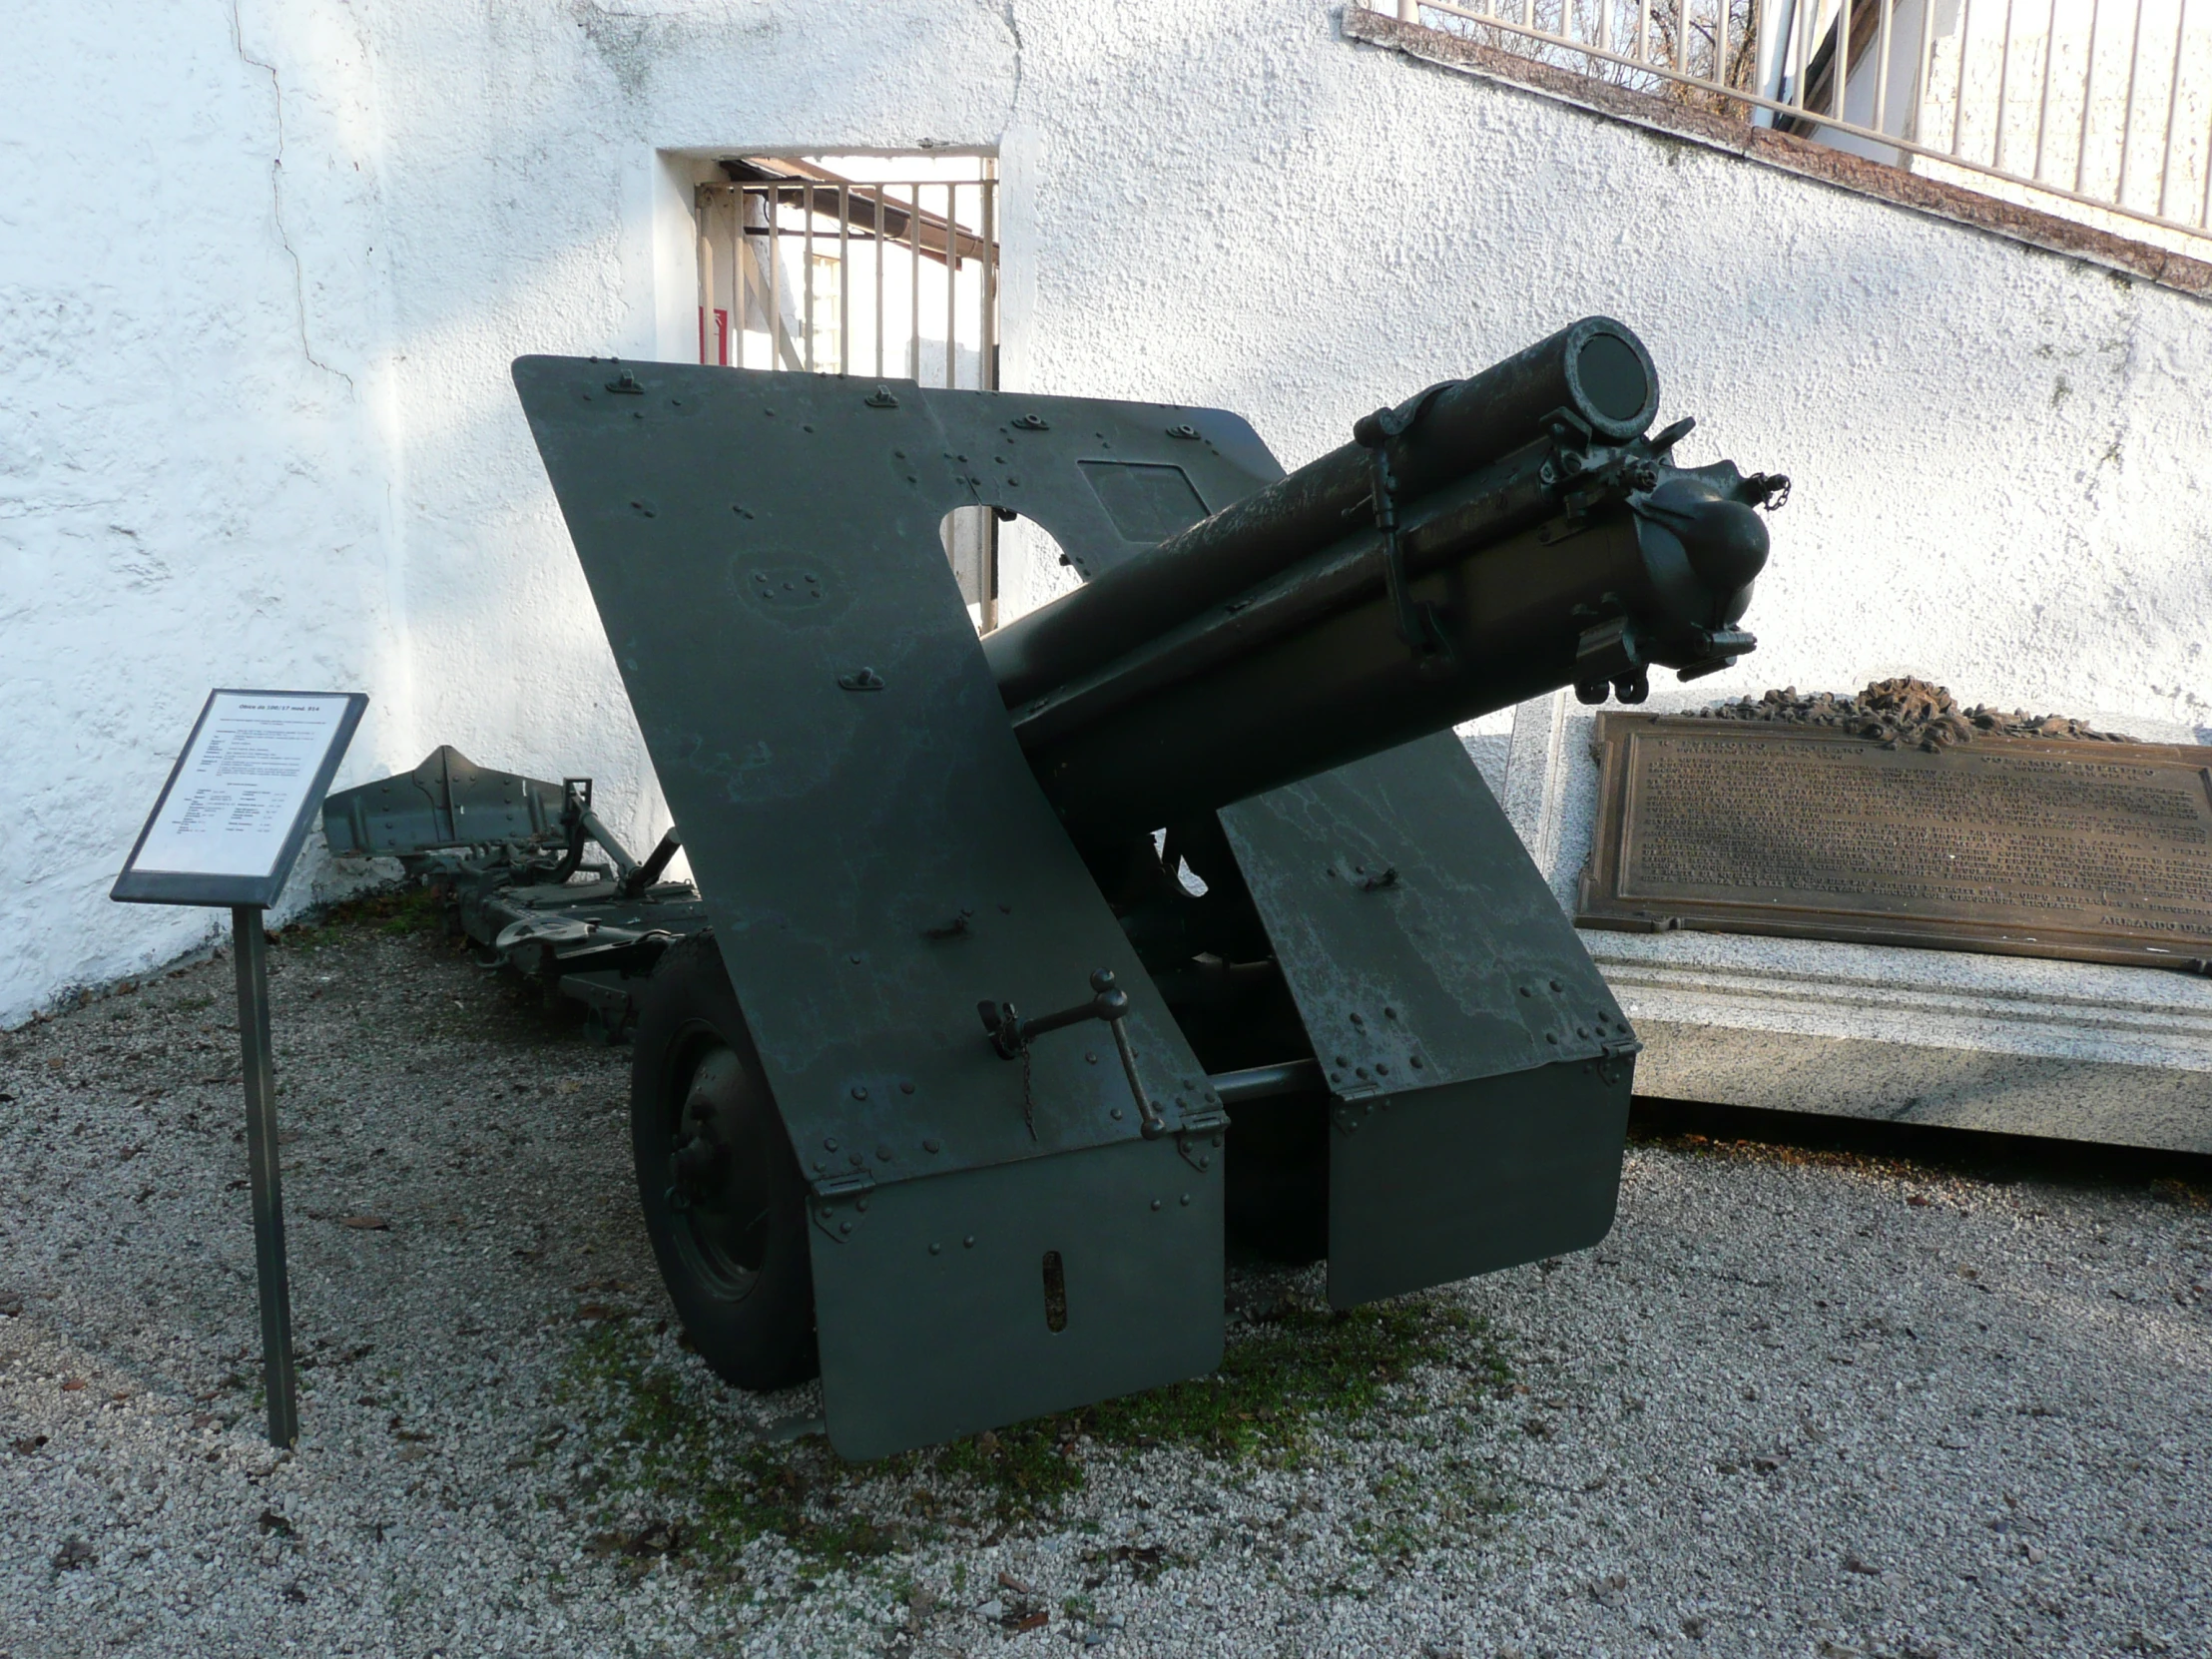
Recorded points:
2072,1051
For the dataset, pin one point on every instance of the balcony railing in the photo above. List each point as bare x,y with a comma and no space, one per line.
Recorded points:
2085,108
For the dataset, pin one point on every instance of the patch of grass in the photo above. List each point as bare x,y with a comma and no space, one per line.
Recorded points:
706,1489
681,1478
412,908
415,908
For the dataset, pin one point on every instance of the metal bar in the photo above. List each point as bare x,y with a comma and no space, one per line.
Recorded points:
2127,120
2204,211
986,377
1264,1082
257,1060
913,307
1881,65
1920,63
775,276
2173,102
1839,66
1958,102
807,276
2004,76
951,283
2089,86
1409,11
1910,147
1802,18
881,220
702,220
1681,36
844,287
2042,108
1643,30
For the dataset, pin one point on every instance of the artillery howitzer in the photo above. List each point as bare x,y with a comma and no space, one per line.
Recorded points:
1175,906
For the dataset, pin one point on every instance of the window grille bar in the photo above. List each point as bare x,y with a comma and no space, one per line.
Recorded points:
845,284
706,270
987,321
882,227
806,274
2088,97
1882,63
774,197
1801,24
1959,78
1839,63
1562,40
2004,81
2127,122
2042,108
1923,63
2204,211
2173,102
952,285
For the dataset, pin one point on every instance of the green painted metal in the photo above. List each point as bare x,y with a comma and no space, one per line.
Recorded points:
926,1336
871,846
447,801
1107,479
900,831
1445,1183
1443,987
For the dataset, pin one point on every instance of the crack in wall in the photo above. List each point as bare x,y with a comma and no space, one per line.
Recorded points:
1013,28
276,194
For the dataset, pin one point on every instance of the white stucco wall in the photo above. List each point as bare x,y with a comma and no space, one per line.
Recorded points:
256,423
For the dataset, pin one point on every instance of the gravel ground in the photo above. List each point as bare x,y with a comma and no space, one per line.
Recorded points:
1799,1402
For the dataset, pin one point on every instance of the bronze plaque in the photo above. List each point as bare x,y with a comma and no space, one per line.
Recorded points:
2026,846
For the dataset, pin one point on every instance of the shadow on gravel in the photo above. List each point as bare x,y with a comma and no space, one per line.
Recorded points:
1914,1147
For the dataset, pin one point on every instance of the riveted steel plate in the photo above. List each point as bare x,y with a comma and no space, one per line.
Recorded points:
877,860
2025,847
1420,941
1447,1183
944,1321
1107,479
867,839
1480,1066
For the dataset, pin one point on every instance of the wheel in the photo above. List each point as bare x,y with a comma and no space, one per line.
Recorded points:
725,1203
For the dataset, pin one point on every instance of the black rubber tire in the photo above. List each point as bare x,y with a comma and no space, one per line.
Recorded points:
728,1222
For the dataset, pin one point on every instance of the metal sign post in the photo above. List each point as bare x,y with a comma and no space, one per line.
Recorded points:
225,831
251,945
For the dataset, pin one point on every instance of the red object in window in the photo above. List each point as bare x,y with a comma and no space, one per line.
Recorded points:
722,337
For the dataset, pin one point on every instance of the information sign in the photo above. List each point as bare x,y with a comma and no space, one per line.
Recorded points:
224,832
239,801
